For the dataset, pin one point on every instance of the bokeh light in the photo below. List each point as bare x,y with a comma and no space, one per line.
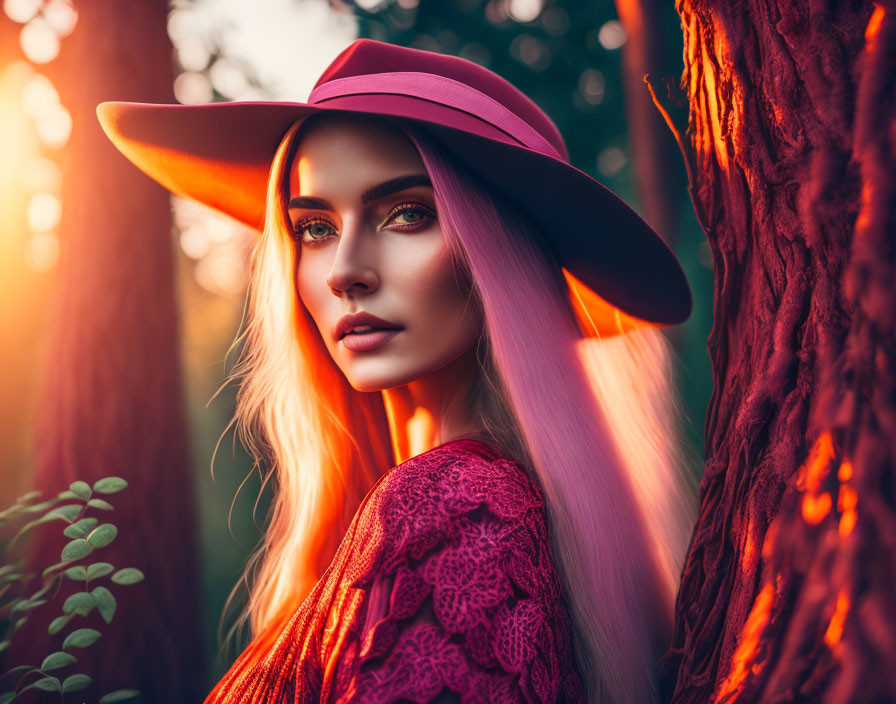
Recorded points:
592,86
525,10
42,251
193,54
54,128
611,161
61,15
21,11
42,174
611,35
39,41
191,88
228,79
39,96
44,212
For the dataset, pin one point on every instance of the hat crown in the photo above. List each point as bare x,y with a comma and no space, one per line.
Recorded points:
367,57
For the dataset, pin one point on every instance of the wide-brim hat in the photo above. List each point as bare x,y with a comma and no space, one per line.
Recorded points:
220,154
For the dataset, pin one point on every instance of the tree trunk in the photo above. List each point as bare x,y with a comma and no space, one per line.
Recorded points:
111,398
658,173
787,593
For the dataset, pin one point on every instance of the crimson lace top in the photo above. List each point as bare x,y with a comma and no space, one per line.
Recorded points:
443,583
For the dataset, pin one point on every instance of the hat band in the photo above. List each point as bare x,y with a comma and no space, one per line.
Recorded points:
442,90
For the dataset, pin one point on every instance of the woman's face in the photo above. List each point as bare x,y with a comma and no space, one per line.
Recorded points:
368,240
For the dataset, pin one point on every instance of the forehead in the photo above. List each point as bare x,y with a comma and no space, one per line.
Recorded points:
344,153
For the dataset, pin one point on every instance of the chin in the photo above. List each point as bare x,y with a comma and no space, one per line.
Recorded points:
377,375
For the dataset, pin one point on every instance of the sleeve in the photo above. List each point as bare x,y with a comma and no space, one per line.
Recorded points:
472,610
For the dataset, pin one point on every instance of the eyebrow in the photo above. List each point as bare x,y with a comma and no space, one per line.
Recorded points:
393,185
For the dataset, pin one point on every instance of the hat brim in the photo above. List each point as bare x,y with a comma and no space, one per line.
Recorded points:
220,154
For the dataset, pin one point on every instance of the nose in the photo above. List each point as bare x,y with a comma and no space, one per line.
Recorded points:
352,269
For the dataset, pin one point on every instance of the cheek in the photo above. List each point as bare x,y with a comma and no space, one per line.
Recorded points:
312,290
438,295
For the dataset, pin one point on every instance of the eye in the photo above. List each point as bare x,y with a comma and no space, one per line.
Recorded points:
410,216
312,230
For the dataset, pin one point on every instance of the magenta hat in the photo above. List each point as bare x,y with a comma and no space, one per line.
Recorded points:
220,154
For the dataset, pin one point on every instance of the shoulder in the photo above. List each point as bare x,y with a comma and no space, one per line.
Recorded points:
436,495
459,476
473,602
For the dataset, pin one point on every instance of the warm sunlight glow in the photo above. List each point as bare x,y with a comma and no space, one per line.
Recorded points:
42,174
39,41
816,503
42,251
835,627
745,655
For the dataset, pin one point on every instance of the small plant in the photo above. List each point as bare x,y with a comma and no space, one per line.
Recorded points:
86,537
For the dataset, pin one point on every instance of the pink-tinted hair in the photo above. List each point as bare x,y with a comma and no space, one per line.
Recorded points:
595,422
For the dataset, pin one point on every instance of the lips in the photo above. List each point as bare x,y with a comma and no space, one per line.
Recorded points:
361,319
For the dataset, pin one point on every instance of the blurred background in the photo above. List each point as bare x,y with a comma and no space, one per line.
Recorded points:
582,62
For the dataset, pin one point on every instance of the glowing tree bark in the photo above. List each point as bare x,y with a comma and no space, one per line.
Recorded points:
111,401
788,591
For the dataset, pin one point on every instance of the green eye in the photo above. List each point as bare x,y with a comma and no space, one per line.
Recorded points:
317,229
310,231
410,216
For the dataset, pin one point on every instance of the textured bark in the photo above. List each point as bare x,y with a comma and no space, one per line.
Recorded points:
787,593
111,398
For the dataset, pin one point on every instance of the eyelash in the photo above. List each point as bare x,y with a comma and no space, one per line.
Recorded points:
397,210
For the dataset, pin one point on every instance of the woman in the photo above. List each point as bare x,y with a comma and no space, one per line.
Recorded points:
481,499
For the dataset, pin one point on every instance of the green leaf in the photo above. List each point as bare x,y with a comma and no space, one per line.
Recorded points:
128,575
80,529
99,569
69,512
19,623
79,603
80,489
119,695
10,577
78,573
102,536
27,605
48,684
12,568
99,503
75,682
53,515
55,567
67,494
25,498
80,638
4,644
109,485
59,623
34,508
76,549
57,660
105,603
7,697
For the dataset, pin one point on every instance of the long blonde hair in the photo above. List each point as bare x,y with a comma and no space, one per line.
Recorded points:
595,421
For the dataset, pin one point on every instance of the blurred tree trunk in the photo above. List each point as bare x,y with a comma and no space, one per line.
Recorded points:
787,593
111,399
658,172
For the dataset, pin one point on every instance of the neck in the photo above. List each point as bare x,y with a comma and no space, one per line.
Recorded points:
432,410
